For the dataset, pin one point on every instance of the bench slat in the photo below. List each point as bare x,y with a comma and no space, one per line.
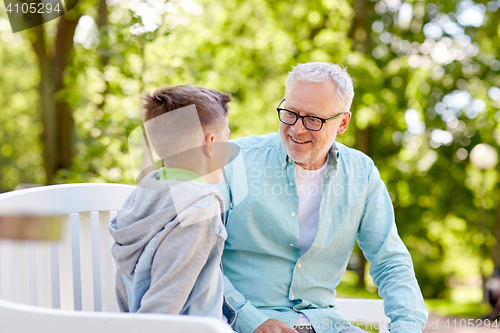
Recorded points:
1,270
6,263
43,274
66,266
86,266
32,272
20,272
107,265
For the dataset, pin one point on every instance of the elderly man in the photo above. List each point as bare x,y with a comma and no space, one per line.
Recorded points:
308,200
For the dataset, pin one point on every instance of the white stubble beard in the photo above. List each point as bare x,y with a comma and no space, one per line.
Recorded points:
300,158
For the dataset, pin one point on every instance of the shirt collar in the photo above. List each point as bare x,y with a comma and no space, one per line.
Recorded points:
179,174
285,160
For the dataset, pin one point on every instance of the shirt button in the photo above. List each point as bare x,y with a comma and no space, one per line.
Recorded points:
291,184
291,244
292,296
283,164
299,265
293,214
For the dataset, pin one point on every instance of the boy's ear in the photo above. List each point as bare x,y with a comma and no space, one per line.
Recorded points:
209,138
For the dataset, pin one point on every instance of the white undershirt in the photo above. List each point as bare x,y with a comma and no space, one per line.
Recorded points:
310,190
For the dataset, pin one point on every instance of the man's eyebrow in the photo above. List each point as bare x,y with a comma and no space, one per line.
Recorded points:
312,113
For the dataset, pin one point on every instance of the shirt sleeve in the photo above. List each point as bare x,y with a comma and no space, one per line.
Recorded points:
248,317
177,263
391,265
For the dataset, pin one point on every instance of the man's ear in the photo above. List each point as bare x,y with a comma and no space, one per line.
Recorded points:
345,122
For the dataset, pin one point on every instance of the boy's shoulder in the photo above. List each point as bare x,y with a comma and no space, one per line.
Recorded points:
153,195
186,197
207,208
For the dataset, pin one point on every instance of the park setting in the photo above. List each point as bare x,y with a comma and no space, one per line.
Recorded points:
426,110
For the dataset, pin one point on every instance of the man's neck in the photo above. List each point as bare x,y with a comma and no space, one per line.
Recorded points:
314,165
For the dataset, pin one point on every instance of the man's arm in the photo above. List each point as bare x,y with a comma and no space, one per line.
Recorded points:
248,318
391,265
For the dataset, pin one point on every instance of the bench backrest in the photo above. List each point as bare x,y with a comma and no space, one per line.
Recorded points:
75,273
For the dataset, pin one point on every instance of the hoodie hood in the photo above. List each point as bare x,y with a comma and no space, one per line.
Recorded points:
153,206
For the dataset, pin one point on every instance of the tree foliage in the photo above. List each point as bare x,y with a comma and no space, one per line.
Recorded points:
426,92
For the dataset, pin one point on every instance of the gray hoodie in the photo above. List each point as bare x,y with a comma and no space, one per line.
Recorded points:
169,239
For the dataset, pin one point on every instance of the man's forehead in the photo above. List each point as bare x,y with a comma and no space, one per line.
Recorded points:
318,111
313,98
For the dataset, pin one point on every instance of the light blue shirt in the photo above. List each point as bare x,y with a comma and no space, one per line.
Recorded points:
265,275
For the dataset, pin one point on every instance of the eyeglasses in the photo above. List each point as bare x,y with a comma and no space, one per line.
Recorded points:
310,122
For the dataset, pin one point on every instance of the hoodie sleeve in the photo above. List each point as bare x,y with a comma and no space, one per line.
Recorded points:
121,293
179,258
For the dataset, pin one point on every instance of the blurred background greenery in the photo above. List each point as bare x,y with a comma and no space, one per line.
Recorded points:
426,74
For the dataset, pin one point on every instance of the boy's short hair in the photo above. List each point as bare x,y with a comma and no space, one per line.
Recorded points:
211,105
176,120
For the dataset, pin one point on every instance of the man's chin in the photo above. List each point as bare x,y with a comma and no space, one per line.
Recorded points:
299,158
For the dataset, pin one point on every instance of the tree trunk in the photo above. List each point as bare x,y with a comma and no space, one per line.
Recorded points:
496,250
359,35
495,254
66,126
57,119
46,90
364,137
360,270
102,25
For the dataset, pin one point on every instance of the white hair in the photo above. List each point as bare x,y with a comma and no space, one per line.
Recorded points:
320,72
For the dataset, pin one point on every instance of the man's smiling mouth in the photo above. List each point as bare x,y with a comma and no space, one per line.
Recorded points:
299,141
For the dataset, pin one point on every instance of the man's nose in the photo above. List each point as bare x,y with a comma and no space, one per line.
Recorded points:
299,128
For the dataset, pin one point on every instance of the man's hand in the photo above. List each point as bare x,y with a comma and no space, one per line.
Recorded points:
274,326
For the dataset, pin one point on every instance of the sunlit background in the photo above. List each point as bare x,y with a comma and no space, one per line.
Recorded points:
427,79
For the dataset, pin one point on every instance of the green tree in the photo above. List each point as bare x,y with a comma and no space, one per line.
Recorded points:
426,92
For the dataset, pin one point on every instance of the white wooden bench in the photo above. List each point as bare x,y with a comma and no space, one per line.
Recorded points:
364,313
42,283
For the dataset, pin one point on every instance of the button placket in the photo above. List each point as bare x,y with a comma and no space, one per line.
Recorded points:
293,207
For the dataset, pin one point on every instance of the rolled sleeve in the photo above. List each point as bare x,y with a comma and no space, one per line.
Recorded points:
248,317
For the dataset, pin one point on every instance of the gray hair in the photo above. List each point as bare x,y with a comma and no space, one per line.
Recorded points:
320,72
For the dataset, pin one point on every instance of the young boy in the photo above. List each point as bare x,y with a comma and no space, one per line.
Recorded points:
169,235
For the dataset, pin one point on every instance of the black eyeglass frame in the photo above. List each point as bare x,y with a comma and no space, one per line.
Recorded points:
279,109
